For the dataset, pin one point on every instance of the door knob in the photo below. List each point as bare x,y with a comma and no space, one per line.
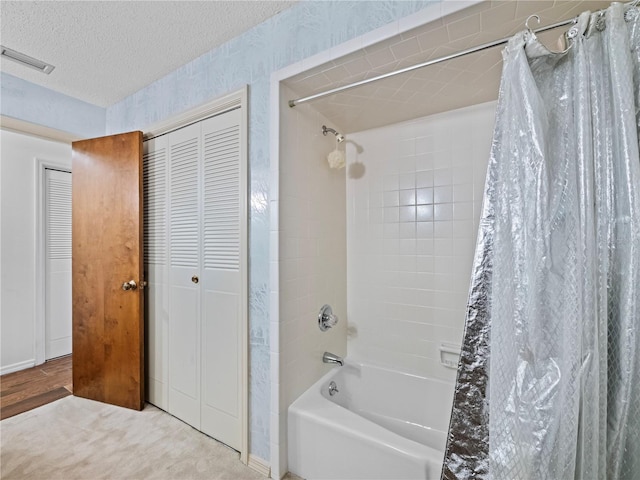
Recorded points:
195,279
130,285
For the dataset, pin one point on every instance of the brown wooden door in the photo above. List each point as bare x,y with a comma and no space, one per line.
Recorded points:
108,322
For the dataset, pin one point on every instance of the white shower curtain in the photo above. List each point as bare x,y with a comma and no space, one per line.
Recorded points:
549,378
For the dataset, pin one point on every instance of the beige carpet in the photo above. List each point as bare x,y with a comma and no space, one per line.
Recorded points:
74,438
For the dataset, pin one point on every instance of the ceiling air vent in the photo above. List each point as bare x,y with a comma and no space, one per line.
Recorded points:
26,60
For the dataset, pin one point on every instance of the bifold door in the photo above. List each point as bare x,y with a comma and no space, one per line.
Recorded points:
195,190
57,302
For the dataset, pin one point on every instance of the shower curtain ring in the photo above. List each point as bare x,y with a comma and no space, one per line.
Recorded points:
571,35
526,23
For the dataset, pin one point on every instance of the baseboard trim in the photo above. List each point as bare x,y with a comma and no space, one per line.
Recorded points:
259,465
16,367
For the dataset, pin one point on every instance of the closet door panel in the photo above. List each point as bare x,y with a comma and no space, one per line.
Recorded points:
184,384
58,264
184,240
156,267
221,279
220,396
157,297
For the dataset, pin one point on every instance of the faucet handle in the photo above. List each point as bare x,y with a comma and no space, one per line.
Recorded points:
326,318
330,320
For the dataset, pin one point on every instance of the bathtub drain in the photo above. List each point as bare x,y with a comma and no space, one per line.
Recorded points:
333,388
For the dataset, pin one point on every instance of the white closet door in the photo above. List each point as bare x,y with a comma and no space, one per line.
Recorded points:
195,261
156,262
222,306
184,301
57,264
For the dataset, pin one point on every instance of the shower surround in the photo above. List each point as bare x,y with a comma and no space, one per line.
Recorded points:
414,193
411,207
311,247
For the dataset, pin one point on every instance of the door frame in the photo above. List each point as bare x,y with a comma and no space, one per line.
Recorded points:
41,270
218,106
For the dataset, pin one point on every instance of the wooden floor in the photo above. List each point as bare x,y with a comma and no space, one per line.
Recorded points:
34,387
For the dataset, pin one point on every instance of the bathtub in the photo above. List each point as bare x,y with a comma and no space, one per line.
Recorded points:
382,424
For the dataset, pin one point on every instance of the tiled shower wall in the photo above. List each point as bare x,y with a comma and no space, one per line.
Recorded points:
414,194
312,253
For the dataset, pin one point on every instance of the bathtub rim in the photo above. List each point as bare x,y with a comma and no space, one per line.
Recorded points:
312,405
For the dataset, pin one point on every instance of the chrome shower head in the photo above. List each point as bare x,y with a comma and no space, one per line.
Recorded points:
339,137
336,158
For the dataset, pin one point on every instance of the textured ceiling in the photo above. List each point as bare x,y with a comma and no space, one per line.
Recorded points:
457,83
104,51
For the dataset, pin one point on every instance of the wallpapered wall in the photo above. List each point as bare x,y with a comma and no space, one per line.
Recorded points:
35,104
304,30
307,28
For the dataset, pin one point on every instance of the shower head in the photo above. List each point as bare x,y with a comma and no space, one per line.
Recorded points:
339,137
336,158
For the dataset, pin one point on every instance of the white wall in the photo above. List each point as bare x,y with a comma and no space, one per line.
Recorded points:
18,154
414,197
312,247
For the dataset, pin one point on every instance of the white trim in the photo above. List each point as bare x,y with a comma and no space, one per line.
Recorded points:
217,106
16,367
20,126
259,465
274,279
40,277
244,272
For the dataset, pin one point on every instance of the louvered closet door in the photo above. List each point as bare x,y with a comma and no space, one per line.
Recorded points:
195,231
57,263
184,301
156,265
222,229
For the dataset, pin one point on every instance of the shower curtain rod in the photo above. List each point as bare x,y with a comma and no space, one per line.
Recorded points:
495,43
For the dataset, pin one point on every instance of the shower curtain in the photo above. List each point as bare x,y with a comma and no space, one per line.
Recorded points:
548,382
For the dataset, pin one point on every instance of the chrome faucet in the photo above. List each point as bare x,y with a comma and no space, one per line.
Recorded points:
332,358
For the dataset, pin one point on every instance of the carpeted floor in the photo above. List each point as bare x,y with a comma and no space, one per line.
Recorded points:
74,438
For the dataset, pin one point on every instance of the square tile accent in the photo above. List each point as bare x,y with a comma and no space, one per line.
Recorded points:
416,267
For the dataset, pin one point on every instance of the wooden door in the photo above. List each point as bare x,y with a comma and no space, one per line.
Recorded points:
108,321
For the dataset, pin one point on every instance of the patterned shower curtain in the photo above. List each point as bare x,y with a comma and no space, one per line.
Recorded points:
549,378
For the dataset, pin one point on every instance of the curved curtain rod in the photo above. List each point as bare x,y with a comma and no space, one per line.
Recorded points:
495,43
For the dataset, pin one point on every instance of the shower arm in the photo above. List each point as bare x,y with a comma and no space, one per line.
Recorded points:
326,130
339,136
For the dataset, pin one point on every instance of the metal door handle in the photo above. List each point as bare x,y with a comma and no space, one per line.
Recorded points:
130,285
195,279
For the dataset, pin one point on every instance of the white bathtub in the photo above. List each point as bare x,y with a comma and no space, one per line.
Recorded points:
382,424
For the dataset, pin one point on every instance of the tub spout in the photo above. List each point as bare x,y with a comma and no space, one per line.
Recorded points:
332,358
